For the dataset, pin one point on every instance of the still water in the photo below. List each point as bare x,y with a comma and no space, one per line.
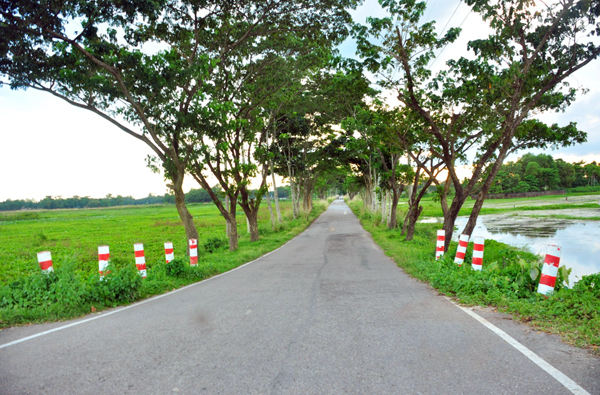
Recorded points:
579,240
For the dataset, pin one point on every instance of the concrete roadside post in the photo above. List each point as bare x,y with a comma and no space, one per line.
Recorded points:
103,257
45,261
169,255
140,259
193,252
477,262
439,247
549,270
463,242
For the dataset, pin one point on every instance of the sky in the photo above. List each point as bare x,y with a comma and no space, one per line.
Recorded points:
50,148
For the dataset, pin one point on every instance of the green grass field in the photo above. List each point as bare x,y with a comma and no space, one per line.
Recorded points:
73,237
76,234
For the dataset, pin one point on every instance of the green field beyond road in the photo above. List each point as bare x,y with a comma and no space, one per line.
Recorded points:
73,237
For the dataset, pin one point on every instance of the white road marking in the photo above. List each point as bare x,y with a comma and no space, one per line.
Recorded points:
551,370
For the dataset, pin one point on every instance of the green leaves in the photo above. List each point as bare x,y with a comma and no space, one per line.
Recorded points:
534,273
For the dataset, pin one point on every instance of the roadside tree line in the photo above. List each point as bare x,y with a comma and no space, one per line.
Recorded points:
223,90
240,91
475,111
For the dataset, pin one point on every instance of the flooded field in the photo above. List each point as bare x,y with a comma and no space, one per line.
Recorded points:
559,199
579,239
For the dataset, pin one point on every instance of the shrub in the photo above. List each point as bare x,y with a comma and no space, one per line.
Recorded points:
122,284
176,268
214,243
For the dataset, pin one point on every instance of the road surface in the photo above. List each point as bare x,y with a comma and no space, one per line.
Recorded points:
328,313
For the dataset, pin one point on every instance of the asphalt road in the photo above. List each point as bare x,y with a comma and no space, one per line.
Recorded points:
328,313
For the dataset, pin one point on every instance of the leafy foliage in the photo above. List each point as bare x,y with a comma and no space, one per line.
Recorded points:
213,244
485,102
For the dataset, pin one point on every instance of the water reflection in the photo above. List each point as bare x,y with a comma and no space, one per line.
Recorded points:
519,226
580,240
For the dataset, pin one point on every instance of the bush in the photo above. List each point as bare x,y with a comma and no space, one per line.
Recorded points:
176,268
44,289
121,285
214,243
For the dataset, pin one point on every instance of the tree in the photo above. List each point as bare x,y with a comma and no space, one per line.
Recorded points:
485,103
525,63
566,173
360,154
160,94
387,128
306,143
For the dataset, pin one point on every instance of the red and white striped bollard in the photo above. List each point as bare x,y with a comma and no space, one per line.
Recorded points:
463,242
103,257
193,252
140,259
549,270
45,261
477,262
439,247
169,255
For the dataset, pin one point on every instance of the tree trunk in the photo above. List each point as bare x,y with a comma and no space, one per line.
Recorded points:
414,216
228,211
276,195
449,221
252,220
186,218
232,224
292,191
485,188
233,234
415,210
368,194
374,191
383,206
406,218
411,188
227,224
307,195
393,223
270,211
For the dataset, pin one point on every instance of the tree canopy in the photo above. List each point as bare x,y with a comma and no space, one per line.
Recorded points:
233,91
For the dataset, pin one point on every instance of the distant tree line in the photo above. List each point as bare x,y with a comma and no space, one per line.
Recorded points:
57,202
532,173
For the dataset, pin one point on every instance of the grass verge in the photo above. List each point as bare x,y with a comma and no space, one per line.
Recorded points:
75,289
507,282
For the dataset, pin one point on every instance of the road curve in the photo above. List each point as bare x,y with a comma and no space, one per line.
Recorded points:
328,313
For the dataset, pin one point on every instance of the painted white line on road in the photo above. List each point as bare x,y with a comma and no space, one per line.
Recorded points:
102,315
551,370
